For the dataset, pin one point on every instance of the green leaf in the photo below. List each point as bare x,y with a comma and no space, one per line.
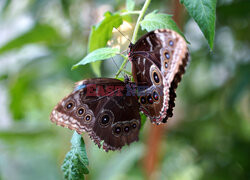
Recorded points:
78,143
155,21
76,160
96,67
143,119
203,12
101,33
130,5
40,33
99,54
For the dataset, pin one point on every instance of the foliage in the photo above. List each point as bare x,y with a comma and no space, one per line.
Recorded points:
203,12
101,33
208,137
155,20
76,160
99,54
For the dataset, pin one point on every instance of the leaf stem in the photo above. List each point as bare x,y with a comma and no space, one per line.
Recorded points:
130,12
127,72
142,13
122,66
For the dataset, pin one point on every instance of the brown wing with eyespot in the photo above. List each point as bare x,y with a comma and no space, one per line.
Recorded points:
104,117
168,51
150,84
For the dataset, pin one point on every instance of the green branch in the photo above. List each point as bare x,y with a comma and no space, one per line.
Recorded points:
141,15
130,12
122,66
143,11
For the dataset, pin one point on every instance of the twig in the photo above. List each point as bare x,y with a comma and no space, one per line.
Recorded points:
130,12
122,66
142,13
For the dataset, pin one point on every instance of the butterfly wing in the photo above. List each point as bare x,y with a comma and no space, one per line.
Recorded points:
168,51
150,94
103,109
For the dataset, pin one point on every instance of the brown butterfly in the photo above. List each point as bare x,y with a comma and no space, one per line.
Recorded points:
104,108
158,61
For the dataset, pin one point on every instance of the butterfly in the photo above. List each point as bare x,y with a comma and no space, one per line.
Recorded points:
158,62
108,109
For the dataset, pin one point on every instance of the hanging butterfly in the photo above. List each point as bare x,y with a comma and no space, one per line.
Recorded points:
158,61
105,108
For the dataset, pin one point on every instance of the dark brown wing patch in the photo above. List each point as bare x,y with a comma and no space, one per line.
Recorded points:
112,120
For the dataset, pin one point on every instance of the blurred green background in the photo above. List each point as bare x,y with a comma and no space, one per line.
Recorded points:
208,137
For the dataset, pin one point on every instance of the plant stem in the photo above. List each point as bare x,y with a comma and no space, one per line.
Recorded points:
142,13
127,72
130,12
122,66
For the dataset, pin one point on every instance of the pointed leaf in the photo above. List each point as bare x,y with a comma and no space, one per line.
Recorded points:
203,12
99,54
76,160
101,33
153,21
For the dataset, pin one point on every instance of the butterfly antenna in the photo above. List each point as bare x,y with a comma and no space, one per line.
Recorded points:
123,34
126,64
116,64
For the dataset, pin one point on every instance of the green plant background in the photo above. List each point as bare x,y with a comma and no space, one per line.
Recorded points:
208,137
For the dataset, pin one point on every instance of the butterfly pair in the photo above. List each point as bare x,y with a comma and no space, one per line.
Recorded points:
108,109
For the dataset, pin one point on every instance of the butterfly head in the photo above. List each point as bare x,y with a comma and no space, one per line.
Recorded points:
130,47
